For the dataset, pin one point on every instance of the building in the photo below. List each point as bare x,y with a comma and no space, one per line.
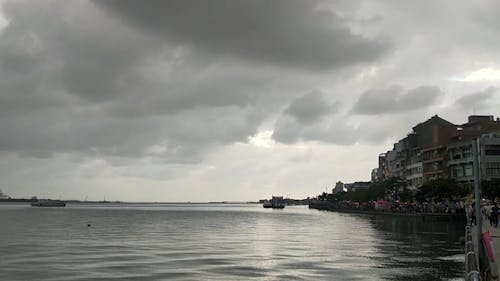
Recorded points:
437,148
358,185
374,176
413,163
462,159
490,157
460,163
339,187
383,169
432,137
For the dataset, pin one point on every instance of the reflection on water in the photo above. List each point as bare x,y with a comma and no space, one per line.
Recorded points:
420,250
221,242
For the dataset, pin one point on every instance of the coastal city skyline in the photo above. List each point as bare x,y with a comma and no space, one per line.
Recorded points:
232,100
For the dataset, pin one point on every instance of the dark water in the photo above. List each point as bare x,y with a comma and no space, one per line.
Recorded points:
221,242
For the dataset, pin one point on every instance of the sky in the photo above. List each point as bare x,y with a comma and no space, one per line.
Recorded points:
236,100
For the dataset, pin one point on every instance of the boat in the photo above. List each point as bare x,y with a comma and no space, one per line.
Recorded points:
48,203
276,202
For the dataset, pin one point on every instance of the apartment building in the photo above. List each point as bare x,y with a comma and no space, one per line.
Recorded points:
437,148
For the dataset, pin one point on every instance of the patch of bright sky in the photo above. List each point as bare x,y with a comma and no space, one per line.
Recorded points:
483,74
263,139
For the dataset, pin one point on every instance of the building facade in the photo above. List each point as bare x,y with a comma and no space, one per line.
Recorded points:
437,149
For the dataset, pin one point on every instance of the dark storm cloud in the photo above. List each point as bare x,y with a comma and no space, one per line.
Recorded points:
85,54
478,99
289,131
311,117
183,138
179,77
74,80
288,33
395,99
310,107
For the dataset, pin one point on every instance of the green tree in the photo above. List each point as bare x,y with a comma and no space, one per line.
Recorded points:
491,189
439,190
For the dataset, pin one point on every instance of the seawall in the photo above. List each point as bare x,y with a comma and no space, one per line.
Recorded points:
454,218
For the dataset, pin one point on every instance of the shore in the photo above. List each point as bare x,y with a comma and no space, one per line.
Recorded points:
451,217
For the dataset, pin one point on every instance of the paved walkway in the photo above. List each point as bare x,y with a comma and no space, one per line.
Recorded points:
495,239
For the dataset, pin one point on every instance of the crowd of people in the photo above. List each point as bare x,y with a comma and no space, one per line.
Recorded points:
490,212
457,207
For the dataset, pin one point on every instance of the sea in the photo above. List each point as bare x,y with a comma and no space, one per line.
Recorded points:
119,241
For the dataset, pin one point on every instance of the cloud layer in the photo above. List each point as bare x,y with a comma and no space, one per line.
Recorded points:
180,96
395,99
286,33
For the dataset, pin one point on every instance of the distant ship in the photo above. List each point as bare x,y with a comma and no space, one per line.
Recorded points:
3,196
277,202
49,203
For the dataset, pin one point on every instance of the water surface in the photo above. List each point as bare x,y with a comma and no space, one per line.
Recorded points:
221,242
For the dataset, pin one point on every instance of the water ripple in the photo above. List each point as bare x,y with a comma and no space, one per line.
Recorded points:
220,242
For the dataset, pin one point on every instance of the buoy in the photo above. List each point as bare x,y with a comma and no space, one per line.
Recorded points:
88,225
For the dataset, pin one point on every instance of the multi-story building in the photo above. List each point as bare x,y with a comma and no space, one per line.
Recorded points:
412,162
383,169
482,127
391,163
439,149
374,176
490,157
462,159
339,187
432,137
476,126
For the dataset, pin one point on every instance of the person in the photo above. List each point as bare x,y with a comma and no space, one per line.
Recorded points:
472,213
487,213
494,215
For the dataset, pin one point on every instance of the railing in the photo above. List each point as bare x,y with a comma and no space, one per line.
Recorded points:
471,267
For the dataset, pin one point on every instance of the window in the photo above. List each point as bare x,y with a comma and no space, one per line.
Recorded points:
457,171
468,170
492,150
467,151
493,169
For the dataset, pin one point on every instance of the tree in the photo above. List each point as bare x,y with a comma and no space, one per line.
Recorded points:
440,190
491,189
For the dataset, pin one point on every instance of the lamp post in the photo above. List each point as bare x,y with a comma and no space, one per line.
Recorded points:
477,193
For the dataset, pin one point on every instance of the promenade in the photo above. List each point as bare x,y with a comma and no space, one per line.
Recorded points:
495,240
424,214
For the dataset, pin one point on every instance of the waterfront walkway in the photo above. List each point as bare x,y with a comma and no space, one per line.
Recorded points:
431,216
495,240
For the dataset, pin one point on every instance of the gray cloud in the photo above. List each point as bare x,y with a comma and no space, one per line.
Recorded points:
310,107
478,99
74,80
287,33
311,117
289,131
395,99
83,54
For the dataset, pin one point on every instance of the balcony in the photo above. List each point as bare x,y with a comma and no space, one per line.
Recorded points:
434,159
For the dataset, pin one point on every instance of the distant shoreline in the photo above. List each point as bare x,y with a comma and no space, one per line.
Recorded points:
290,202
24,200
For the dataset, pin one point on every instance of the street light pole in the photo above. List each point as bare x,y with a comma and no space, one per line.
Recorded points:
477,194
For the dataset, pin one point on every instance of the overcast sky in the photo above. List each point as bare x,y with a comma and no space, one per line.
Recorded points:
229,100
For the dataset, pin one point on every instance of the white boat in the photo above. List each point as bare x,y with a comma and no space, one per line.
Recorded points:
49,203
277,202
